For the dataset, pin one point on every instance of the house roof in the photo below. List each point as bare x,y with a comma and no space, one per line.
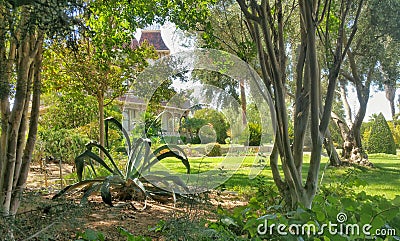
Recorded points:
134,43
154,38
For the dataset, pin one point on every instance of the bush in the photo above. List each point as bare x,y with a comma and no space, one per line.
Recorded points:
213,149
61,144
395,128
255,134
381,139
251,136
214,119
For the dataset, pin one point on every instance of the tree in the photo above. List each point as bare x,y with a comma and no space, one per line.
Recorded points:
228,32
381,138
371,60
23,27
266,22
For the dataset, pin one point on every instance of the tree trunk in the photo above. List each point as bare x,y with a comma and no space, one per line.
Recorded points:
353,150
15,150
23,168
100,99
334,159
243,101
390,92
265,23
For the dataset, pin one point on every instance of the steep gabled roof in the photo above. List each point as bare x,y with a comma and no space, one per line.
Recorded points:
154,38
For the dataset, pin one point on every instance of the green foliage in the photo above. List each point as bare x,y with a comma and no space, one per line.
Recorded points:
213,149
68,122
61,144
68,110
395,129
251,136
381,138
187,229
131,237
191,126
90,235
216,121
267,207
130,182
255,134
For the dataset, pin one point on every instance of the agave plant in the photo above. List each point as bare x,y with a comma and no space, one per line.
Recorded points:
136,181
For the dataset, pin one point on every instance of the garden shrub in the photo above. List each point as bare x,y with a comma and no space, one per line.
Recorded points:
60,144
216,120
213,149
251,136
381,139
395,128
255,134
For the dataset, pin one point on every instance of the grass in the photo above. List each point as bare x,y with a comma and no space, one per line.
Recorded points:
383,179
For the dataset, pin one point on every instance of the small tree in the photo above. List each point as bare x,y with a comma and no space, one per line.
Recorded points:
381,139
216,120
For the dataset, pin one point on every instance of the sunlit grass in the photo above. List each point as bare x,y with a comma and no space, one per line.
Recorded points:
383,179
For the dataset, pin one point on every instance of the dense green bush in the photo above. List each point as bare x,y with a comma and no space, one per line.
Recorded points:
255,134
213,149
251,136
381,139
395,128
215,120
61,144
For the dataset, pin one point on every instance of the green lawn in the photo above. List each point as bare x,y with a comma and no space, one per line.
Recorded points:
383,179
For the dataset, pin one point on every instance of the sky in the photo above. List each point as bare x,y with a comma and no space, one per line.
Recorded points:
377,103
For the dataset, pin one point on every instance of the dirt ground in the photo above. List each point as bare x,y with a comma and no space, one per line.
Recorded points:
41,218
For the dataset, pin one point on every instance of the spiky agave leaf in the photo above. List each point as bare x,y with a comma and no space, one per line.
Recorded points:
90,145
105,188
141,188
165,152
94,188
77,185
137,156
121,128
80,162
165,177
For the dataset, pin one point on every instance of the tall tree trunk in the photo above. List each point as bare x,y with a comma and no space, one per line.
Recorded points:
100,99
390,92
243,101
21,174
24,60
265,22
353,150
334,159
24,47
346,106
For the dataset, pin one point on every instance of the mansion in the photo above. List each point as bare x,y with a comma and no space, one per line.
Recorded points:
135,107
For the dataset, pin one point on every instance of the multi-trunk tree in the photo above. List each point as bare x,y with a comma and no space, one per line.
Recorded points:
325,22
373,59
23,28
